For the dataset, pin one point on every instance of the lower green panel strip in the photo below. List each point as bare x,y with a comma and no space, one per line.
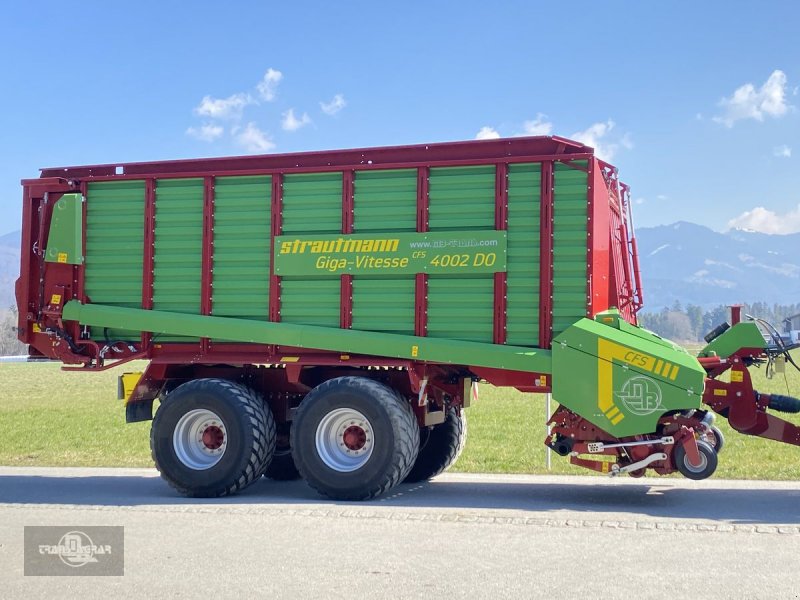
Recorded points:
309,336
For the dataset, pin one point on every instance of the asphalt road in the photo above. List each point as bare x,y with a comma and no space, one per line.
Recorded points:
460,536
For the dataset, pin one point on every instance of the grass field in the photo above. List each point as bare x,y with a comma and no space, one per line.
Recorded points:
50,417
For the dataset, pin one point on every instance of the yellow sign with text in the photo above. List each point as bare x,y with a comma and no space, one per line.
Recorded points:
391,253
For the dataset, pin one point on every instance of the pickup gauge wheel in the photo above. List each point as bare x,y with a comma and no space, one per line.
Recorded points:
715,438
212,437
354,438
707,466
440,446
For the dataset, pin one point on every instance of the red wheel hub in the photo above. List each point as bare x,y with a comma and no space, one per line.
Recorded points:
354,437
213,437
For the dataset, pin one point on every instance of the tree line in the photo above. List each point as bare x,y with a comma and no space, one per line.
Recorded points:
691,323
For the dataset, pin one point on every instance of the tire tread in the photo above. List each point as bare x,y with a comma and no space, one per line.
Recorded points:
444,446
404,423
262,425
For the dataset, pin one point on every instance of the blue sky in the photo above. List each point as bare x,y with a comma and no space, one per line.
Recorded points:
695,102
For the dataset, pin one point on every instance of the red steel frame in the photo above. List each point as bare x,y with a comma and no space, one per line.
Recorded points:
421,279
620,259
81,282
598,241
546,256
148,263
591,191
447,154
348,213
546,151
637,297
501,279
276,228
208,252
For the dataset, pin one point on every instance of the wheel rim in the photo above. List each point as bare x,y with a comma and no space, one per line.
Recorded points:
696,468
200,439
344,440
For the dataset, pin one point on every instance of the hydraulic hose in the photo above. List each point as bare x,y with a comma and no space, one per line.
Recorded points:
785,404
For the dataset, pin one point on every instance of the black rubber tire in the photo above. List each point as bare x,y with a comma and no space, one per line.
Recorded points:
697,473
395,438
715,438
250,443
441,447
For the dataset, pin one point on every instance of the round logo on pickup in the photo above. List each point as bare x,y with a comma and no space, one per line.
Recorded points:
641,395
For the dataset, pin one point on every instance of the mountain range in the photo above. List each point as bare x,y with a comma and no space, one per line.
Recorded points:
681,262
692,264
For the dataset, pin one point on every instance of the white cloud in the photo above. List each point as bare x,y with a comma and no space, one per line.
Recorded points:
334,106
782,151
207,132
766,221
252,139
291,123
662,197
596,136
224,108
487,133
268,86
639,201
538,126
626,142
747,102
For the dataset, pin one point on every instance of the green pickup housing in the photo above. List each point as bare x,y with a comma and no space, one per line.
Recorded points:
622,378
741,335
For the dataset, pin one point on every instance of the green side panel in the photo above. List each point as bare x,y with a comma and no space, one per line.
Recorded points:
178,252
384,201
115,248
524,200
322,338
461,307
461,198
65,239
742,335
312,203
570,274
383,304
242,215
628,379
311,302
